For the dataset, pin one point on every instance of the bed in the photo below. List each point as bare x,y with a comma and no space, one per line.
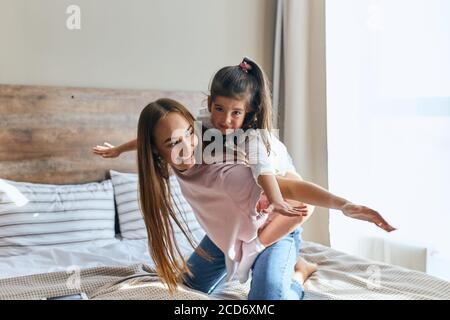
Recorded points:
46,135
122,270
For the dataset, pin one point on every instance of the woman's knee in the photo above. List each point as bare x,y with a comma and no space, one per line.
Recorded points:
266,288
206,271
271,288
273,270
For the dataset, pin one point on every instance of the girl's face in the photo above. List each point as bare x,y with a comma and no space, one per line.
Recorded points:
175,141
227,113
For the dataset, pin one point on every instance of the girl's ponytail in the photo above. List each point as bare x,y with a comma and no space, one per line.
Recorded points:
261,102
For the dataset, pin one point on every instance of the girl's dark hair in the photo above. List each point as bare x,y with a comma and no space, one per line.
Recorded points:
246,81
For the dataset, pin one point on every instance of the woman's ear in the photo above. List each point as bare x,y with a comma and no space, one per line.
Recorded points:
209,103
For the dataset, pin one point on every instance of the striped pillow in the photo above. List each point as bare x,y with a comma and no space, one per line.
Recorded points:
132,224
41,215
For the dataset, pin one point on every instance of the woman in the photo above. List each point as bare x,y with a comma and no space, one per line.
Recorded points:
225,199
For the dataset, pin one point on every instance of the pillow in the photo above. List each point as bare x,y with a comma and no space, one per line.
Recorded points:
131,222
41,215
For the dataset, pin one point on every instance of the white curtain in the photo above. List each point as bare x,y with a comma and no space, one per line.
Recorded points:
299,95
388,110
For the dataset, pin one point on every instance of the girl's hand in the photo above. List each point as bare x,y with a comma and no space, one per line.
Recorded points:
366,214
106,151
286,209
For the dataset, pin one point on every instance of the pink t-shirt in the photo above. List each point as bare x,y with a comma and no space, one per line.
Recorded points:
225,198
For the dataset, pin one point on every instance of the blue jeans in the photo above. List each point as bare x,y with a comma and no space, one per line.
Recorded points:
272,270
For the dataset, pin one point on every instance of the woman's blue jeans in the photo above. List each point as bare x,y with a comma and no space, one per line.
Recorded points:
272,270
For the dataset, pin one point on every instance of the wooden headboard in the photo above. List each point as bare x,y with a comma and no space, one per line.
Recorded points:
47,133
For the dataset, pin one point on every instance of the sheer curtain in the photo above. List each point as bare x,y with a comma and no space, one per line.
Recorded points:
388,122
299,91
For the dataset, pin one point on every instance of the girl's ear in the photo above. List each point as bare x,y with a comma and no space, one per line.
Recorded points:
209,103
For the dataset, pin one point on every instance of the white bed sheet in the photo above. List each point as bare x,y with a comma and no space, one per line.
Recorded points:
114,252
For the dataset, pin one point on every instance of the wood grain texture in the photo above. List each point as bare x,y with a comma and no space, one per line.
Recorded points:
47,133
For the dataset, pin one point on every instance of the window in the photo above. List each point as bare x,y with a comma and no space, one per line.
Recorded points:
388,124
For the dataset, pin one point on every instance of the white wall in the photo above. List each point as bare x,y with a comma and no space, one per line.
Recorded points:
156,44
141,44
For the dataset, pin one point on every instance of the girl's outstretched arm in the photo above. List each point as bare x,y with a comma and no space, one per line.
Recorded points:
257,158
109,151
311,193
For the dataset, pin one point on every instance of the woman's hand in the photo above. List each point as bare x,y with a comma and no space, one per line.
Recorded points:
286,209
366,214
107,150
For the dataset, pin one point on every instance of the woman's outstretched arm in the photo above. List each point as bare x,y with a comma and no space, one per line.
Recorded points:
311,193
109,151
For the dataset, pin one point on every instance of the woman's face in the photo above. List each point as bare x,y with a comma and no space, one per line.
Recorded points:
175,141
227,113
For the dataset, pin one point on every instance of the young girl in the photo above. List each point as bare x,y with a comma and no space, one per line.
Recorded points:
240,99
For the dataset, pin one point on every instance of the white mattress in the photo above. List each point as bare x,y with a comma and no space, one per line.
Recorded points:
339,276
110,253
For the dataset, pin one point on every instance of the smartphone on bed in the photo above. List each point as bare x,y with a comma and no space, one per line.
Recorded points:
76,296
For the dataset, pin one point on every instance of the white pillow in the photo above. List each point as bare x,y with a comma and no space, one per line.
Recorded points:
41,215
131,222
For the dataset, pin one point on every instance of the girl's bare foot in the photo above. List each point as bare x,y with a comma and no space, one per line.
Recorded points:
303,269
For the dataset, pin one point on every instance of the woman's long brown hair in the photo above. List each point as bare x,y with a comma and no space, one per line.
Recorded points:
156,202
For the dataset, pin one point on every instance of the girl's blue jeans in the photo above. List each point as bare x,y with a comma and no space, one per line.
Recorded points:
272,270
